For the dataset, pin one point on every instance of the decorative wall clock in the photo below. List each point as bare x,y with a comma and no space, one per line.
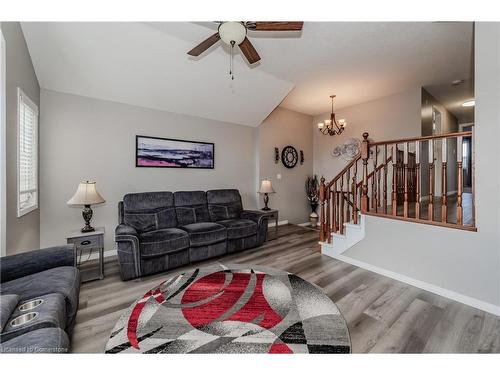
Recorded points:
289,156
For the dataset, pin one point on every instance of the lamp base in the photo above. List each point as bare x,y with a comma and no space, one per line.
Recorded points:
88,228
87,216
265,209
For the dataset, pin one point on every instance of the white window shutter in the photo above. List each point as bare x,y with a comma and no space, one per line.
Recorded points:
27,195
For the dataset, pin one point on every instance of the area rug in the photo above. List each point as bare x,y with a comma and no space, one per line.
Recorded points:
232,309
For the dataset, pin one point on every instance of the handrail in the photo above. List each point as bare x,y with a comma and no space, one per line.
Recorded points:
370,175
354,189
343,171
423,138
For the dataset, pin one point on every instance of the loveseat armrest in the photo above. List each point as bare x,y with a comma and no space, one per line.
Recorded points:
255,216
125,230
129,258
19,265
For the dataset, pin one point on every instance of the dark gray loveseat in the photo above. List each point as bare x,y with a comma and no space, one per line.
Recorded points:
159,231
48,275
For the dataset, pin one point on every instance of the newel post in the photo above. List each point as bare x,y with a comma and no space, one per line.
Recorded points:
365,154
322,189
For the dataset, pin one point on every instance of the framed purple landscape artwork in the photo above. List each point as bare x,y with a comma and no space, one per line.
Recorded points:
173,153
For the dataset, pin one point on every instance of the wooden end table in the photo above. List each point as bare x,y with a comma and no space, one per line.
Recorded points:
271,214
88,242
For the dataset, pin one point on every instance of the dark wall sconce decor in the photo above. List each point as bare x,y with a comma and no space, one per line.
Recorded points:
276,155
301,157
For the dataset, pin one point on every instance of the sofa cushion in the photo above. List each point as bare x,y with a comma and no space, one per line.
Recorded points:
191,207
162,241
202,234
62,280
239,228
8,303
224,204
149,211
43,340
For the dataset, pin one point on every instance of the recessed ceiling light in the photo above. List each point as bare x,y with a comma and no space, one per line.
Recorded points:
469,103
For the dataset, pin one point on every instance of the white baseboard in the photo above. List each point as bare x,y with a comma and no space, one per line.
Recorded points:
281,222
478,304
95,254
305,224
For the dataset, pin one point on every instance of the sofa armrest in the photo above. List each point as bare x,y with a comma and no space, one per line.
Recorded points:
125,230
127,242
24,264
255,216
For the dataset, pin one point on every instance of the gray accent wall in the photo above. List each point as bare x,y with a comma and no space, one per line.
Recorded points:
22,233
281,128
83,138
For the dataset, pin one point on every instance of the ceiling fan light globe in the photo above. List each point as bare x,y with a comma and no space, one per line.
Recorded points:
232,31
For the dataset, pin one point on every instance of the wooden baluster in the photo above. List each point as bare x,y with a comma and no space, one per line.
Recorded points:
405,179
385,181
379,190
328,216
342,209
374,179
347,194
334,208
430,206
417,172
365,146
444,182
460,178
355,194
394,180
322,189
337,197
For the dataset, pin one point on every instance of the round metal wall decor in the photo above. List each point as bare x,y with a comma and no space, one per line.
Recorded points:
289,156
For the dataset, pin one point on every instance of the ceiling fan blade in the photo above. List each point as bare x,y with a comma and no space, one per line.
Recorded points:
275,26
206,44
249,51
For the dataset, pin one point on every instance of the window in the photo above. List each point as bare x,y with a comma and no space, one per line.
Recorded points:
27,155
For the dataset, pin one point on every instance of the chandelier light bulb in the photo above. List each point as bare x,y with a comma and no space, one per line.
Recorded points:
321,126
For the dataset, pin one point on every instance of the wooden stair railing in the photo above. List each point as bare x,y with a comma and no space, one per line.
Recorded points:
394,187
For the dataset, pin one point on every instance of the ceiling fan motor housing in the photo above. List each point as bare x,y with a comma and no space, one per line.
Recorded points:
232,32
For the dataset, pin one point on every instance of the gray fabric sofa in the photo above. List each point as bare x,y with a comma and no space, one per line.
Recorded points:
48,275
159,231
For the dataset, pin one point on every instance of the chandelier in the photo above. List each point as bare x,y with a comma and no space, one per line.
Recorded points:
331,126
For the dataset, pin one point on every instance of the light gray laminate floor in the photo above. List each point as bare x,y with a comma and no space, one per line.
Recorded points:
383,315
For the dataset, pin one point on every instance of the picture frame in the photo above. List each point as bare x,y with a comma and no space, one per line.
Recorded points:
158,152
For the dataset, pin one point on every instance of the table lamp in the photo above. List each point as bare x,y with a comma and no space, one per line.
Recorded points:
86,195
266,188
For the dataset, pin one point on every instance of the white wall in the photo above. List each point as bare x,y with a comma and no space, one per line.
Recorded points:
83,138
465,264
281,128
391,117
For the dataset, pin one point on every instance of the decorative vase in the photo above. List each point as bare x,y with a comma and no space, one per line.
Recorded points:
313,219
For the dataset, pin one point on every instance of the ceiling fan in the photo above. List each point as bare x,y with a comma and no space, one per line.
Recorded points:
235,33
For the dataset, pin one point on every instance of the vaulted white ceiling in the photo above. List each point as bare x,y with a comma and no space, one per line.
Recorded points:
146,64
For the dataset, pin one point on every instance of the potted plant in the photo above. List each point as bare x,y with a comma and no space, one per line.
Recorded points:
312,194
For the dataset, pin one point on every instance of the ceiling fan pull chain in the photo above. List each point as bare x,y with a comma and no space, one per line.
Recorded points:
231,61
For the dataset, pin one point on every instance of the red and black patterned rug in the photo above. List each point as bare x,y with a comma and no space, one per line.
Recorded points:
232,309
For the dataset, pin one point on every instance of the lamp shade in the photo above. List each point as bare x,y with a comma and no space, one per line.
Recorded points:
266,187
86,194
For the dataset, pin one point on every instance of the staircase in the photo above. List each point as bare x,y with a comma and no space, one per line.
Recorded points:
418,180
